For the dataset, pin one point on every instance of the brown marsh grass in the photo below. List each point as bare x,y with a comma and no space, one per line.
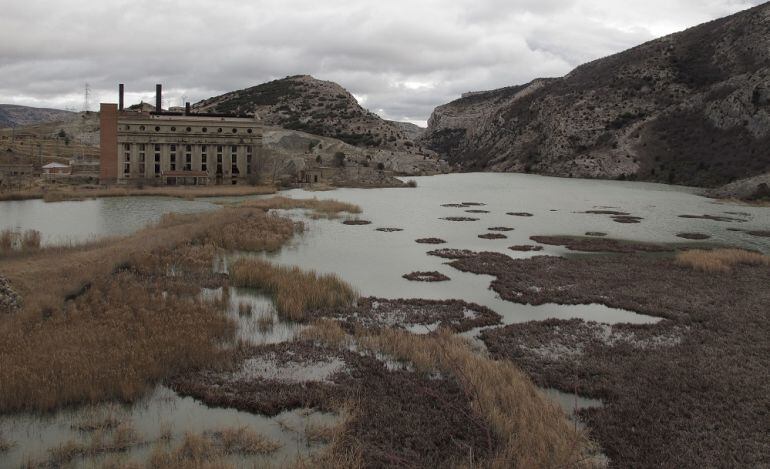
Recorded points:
325,331
123,438
210,450
12,240
121,331
534,431
254,231
325,208
295,291
113,342
720,260
64,193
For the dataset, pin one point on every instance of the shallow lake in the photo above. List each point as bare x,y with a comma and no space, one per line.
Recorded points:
374,261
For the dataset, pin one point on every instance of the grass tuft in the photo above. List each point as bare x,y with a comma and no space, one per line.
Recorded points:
720,260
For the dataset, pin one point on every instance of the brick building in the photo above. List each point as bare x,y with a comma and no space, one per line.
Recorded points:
176,147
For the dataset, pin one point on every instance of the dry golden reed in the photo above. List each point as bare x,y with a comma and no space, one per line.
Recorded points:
329,208
720,260
295,291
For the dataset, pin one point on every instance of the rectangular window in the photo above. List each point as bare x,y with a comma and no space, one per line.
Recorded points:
126,168
172,158
234,160
127,146
188,160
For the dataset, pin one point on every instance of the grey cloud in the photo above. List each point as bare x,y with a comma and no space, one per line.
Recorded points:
403,57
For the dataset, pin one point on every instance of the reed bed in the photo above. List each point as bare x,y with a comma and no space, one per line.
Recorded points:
113,342
116,317
720,260
254,231
211,449
123,438
296,292
19,241
325,208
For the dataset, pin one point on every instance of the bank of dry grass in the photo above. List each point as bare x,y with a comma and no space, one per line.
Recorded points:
296,292
720,260
533,431
329,208
64,193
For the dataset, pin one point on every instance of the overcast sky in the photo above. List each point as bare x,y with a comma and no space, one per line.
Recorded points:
399,58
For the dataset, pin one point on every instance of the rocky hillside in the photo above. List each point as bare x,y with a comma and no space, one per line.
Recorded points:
12,115
690,108
318,107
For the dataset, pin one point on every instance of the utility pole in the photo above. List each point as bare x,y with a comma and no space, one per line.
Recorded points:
86,104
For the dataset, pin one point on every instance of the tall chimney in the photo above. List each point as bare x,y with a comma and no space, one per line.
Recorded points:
187,108
158,92
120,97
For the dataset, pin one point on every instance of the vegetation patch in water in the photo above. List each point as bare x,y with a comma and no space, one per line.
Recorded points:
389,230
587,244
451,253
627,219
430,241
432,276
492,236
356,222
477,211
519,214
500,228
714,218
459,219
693,236
525,248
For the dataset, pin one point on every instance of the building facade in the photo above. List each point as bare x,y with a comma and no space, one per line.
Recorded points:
176,148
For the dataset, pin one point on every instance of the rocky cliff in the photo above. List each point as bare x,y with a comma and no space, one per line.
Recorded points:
690,108
318,107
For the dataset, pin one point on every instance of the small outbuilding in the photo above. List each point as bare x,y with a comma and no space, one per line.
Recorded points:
56,169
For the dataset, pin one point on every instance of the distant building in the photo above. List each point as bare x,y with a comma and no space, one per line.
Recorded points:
176,147
56,169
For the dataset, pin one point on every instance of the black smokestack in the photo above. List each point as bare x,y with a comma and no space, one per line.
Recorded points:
158,93
120,97
187,108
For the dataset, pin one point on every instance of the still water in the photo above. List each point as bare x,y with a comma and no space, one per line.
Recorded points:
374,261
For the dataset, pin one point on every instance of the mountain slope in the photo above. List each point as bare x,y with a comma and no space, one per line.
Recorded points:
690,108
12,115
318,107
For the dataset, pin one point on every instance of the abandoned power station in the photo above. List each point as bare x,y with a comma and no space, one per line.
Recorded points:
175,148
